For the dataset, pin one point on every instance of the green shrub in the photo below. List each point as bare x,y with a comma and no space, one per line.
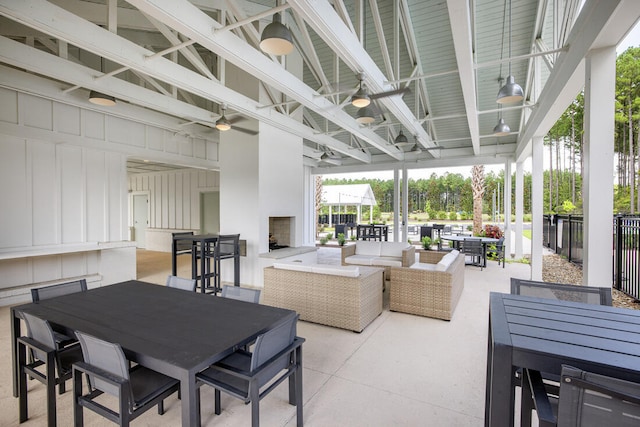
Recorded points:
441,215
324,240
426,243
353,237
329,236
453,216
341,239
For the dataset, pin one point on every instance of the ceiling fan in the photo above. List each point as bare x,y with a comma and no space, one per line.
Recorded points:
363,98
224,124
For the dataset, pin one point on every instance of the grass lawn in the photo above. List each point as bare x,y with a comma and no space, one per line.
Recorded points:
526,233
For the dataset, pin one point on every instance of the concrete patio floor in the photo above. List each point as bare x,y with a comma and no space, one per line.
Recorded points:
402,370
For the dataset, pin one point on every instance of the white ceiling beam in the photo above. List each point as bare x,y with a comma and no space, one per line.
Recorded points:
382,40
192,22
64,25
460,20
321,16
601,23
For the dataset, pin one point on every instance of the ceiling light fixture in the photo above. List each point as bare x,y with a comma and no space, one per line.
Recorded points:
365,115
99,98
222,123
510,92
501,128
276,38
361,98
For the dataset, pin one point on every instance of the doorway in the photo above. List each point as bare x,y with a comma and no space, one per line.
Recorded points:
140,219
210,212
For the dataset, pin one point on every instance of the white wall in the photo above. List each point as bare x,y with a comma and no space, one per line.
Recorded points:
63,187
174,202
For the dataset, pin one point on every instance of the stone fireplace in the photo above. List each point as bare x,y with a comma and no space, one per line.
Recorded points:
281,232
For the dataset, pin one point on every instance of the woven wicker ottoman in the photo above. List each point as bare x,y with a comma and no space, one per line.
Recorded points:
424,292
343,302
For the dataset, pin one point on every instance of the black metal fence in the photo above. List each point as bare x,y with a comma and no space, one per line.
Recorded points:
564,235
337,218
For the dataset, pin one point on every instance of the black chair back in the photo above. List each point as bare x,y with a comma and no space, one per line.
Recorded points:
53,291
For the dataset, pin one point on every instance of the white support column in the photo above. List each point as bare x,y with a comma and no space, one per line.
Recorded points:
599,91
519,209
537,183
397,227
405,205
330,214
507,209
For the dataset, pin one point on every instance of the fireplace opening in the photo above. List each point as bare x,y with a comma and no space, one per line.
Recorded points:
281,230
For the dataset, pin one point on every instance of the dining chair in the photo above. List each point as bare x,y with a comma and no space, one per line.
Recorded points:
49,364
585,399
274,359
473,248
241,294
181,283
47,292
577,293
137,389
499,251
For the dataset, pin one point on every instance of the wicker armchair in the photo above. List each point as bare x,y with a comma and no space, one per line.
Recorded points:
425,292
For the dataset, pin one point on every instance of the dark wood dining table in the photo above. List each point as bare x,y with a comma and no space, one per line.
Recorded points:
175,332
543,334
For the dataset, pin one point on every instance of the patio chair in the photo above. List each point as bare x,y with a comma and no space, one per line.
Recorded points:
183,248
137,389
181,283
577,293
274,359
499,251
50,365
473,248
241,294
47,292
585,399
227,247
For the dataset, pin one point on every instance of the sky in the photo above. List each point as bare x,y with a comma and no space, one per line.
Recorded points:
632,39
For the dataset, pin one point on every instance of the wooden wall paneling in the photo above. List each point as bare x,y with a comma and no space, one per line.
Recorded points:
171,201
47,268
165,201
74,265
179,200
194,205
35,111
15,272
93,124
15,216
66,119
186,201
8,106
95,193
44,193
72,194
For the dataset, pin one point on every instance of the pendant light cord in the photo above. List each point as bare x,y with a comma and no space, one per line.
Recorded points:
509,37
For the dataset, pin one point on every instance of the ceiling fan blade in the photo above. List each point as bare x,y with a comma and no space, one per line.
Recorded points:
236,119
389,93
245,130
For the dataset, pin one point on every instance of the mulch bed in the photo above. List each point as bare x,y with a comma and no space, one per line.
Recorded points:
558,270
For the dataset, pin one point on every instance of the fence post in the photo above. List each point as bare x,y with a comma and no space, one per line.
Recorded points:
570,248
618,256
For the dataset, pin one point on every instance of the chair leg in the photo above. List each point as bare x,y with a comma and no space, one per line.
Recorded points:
161,408
78,419
50,369
254,395
217,402
526,400
22,384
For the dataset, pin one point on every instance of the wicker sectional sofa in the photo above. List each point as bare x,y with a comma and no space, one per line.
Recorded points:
428,288
320,293
379,254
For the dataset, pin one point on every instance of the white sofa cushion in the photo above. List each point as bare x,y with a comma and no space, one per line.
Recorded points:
337,270
393,249
387,261
445,262
367,247
293,265
359,259
424,266
455,252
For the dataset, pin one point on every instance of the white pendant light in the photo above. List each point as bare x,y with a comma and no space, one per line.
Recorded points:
276,38
365,115
99,98
222,123
360,99
511,92
501,128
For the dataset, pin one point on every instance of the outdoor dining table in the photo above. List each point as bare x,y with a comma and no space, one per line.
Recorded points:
201,244
543,334
175,332
460,239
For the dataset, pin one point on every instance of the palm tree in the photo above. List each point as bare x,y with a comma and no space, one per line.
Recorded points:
477,185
